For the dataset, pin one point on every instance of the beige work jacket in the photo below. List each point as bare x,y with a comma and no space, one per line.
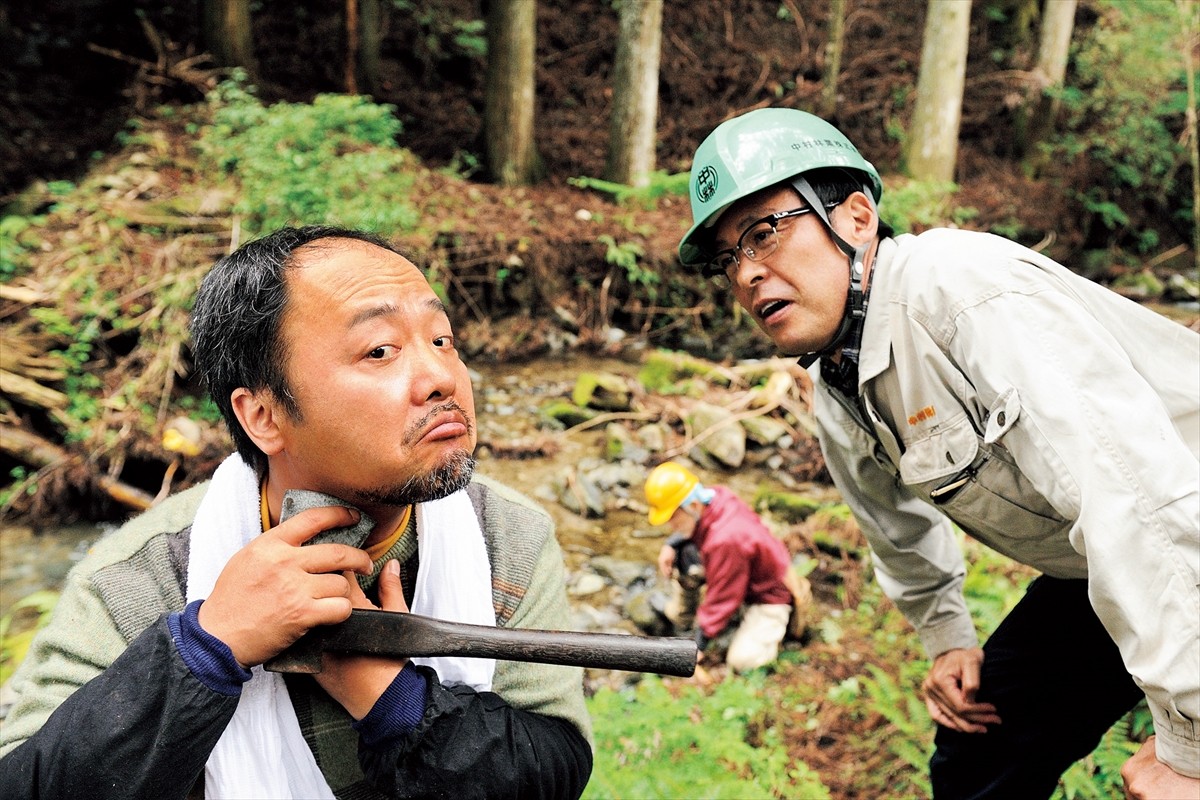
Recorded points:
1051,419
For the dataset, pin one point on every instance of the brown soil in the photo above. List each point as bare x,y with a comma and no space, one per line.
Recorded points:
63,101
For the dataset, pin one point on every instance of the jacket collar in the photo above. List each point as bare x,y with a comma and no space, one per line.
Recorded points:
876,351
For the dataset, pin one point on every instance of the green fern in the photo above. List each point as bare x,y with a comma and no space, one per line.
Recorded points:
904,709
661,183
1098,776
655,743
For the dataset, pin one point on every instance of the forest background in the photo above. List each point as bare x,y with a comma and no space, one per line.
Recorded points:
140,141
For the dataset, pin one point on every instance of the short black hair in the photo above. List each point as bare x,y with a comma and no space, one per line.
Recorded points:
236,321
834,184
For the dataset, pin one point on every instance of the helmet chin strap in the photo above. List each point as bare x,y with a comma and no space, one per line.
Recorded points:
855,306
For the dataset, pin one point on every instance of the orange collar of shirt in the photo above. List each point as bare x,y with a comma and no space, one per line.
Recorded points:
375,551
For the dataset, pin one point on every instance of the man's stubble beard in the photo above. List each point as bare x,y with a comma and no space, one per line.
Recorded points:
445,479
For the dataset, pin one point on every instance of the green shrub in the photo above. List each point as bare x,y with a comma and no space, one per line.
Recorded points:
334,161
914,205
1123,109
19,237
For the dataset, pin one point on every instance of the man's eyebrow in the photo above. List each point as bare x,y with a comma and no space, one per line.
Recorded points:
740,223
390,309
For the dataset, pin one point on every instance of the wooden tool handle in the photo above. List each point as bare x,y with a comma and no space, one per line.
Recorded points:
397,635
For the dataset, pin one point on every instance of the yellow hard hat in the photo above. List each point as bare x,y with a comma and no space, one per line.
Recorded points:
667,487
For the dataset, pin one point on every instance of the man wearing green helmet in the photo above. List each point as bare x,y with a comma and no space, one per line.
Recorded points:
964,378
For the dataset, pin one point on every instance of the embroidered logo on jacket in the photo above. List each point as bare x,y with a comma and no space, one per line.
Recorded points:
925,413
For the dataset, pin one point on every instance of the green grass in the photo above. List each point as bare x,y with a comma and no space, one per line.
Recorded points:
651,743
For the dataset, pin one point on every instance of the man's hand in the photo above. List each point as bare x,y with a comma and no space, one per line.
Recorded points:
273,590
950,691
358,681
1147,778
666,560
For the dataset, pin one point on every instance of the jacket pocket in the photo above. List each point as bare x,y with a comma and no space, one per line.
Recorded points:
977,484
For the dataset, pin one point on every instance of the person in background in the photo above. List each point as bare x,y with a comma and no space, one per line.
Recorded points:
963,378
720,544
334,365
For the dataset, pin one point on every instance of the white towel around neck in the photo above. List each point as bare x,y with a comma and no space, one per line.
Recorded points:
454,582
262,752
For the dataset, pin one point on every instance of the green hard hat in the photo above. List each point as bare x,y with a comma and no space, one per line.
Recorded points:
757,150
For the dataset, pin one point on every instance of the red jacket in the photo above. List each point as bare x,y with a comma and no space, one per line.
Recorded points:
743,561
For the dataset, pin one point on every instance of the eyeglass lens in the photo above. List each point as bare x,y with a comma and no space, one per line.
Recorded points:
756,243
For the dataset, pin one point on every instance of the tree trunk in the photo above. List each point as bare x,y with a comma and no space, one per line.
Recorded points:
226,27
1189,14
370,42
1036,119
509,92
635,93
351,65
833,57
931,150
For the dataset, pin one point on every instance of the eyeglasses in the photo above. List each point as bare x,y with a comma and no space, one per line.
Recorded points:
758,240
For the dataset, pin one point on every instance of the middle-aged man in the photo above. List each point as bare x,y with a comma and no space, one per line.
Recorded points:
962,377
334,365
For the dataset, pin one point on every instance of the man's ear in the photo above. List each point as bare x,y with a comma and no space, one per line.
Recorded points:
860,218
258,413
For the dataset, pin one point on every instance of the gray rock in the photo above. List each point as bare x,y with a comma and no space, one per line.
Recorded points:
619,445
764,430
727,441
620,571
590,618
587,583
608,477
653,437
579,494
643,609
602,390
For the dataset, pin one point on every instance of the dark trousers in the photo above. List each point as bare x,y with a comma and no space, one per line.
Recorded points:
1058,683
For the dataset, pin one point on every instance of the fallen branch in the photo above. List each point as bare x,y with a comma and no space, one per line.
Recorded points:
26,295
37,452
30,392
603,418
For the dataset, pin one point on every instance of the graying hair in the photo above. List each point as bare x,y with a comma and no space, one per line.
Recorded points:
235,325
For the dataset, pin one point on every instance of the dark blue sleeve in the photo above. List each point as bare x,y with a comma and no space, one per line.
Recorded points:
143,728
397,712
209,659
472,744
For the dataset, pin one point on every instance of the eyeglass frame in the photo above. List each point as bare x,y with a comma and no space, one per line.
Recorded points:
721,274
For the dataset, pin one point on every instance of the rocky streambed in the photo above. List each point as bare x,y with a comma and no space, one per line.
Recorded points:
580,435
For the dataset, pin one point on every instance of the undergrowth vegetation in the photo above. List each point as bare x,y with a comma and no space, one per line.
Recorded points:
655,741
855,683
1123,108
311,161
